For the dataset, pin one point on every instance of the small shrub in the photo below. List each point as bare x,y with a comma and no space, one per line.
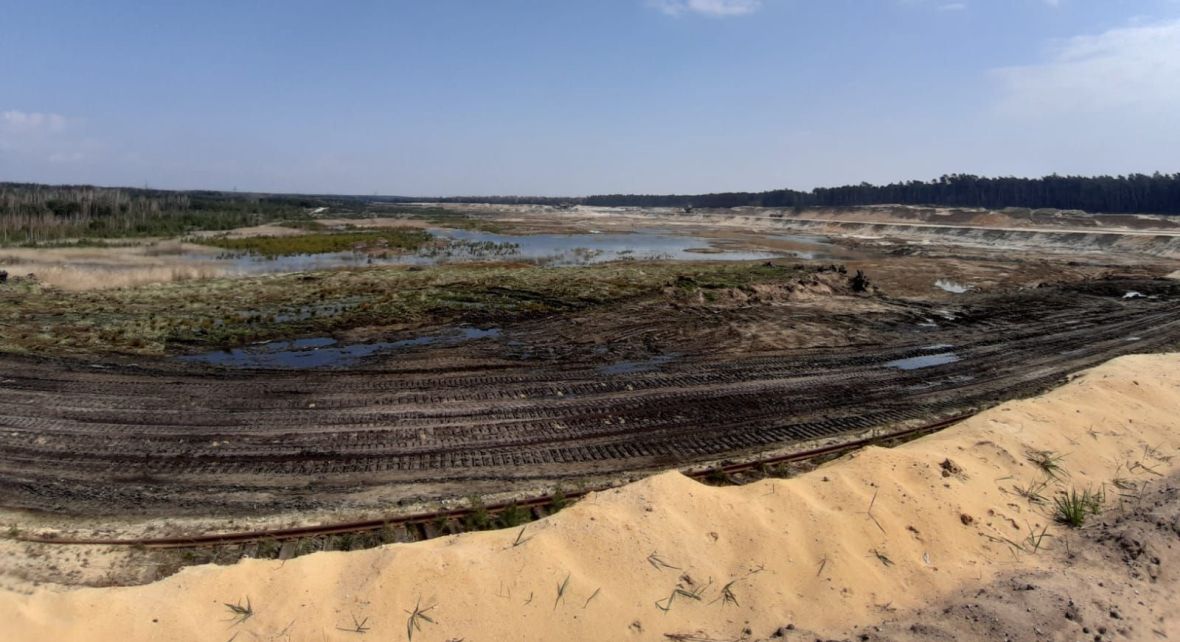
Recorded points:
479,519
513,515
559,499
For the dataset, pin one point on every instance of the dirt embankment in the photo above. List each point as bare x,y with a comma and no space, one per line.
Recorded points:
833,552
1055,232
1163,245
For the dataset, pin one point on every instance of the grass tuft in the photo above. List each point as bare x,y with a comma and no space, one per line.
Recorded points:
1048,461
1072,508
1033,492
417,617
240,613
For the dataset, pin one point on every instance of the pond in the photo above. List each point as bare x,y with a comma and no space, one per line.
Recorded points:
557,250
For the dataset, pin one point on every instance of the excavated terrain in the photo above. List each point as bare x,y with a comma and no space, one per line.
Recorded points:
636,387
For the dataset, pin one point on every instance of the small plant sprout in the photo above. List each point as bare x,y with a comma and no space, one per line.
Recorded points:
869,512
417,617
727,596
561,590
658,563
665,604
520,538
240,613
1033,492
592,596
1072,508
358,626
1048,461
1033,542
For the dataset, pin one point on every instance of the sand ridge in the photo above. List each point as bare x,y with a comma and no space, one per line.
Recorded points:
880,530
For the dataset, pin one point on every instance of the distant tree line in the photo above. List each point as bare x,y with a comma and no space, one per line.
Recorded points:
31,213
1135,193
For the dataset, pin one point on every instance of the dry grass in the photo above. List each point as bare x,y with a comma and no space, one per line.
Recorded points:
81,269
75,279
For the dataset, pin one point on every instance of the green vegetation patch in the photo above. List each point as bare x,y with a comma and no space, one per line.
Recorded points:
396,240
190,315
439,217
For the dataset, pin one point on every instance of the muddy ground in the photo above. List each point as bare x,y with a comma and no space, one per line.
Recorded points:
644,385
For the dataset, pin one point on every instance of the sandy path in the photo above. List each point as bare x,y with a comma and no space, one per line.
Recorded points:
806,551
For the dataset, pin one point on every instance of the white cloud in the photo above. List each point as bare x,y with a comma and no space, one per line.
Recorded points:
1129,72
714,8
21,121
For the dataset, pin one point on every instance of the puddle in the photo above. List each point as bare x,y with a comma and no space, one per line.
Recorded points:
924,361
634,367
325,352
952,287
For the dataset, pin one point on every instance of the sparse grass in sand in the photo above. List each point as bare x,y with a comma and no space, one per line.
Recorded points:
1073,507
561,589
1048,461
1033,492
417,617
240,612
358,626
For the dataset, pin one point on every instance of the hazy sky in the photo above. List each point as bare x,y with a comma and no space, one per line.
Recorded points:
439,97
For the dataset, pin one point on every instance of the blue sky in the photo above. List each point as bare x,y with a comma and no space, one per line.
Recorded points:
443,97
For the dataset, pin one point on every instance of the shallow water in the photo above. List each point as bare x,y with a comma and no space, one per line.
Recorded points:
924,361
557,250
326,352
952,287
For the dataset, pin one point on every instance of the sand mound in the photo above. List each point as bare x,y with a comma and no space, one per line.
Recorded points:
670,556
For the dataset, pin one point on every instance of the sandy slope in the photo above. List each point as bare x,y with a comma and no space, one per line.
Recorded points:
805,551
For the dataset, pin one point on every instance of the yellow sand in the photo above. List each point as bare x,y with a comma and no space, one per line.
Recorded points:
805,551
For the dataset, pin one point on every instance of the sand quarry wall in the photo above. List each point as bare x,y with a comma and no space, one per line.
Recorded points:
1156,245
806,551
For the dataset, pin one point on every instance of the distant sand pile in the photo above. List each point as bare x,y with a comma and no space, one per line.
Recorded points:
883,529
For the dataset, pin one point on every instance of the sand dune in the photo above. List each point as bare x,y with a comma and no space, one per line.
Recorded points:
806,551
